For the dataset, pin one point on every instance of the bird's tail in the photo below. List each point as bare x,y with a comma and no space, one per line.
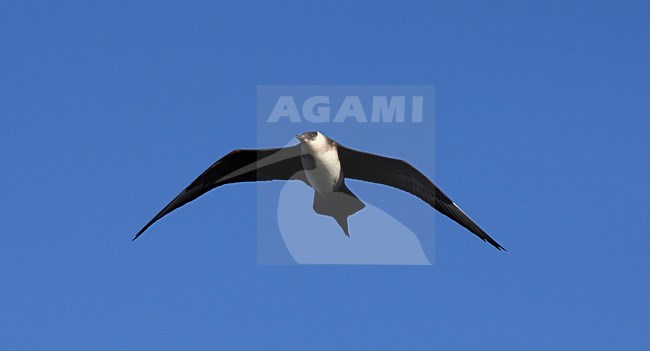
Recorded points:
338,205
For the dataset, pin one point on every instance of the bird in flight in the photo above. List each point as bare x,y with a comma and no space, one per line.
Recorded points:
324,165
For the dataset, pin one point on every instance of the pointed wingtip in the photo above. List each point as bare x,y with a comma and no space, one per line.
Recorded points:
486,238
142,231
496,245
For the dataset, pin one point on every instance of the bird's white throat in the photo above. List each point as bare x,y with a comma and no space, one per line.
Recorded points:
325,176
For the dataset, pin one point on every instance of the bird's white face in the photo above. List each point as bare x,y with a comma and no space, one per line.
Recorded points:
313,141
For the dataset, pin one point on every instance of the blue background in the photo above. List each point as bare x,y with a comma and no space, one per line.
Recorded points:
108,110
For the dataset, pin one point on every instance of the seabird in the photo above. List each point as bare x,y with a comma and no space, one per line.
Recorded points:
324,165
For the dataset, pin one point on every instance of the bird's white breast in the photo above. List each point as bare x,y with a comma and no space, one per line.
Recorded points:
325,176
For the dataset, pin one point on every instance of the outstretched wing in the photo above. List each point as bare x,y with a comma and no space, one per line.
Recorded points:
239,166
401,175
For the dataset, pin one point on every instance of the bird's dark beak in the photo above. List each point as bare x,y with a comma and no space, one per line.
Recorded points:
300,137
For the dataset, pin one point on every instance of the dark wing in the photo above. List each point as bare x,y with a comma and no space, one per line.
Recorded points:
401,175
239,166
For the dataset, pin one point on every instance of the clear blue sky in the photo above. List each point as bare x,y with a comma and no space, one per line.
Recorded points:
108,110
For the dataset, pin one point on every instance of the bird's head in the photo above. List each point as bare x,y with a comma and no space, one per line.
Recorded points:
312,140
307,137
